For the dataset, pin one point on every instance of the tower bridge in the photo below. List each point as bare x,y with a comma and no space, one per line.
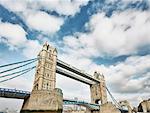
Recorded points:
46,98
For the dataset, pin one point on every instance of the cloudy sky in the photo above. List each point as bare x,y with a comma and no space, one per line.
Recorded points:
110,36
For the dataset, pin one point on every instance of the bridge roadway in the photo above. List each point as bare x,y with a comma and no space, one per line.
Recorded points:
20,94
75,70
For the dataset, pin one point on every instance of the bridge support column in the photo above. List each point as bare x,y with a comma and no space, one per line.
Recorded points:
98,90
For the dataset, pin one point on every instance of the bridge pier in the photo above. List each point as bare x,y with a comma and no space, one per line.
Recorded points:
44,102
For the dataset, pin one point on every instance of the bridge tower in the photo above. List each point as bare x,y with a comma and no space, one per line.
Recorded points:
45,98
45,76
98,90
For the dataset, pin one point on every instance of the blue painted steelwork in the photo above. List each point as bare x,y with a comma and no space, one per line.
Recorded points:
81,103
13,93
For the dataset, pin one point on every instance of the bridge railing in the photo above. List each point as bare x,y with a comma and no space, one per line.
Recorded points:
14,90
82,103
13,93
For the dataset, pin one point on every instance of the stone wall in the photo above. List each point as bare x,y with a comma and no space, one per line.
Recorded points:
44,101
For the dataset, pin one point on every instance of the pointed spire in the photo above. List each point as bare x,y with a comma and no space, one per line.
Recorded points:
45,45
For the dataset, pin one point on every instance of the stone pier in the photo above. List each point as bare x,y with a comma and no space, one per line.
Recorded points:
44,101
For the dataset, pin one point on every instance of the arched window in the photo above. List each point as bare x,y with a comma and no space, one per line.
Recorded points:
98,101
47,86
47,47
36,87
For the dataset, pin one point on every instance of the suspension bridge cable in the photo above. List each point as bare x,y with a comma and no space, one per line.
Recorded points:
17,67
17,62
16,72
115,101
16,75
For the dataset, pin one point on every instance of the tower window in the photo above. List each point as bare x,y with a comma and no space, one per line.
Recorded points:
36,87
47,86
47,47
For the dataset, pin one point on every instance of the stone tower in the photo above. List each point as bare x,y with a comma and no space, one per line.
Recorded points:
45,76
45,98
98,90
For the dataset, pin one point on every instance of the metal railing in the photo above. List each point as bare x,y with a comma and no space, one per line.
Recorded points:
14,93
82,103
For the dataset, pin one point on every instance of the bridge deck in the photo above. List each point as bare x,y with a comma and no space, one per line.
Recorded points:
81,103
13,93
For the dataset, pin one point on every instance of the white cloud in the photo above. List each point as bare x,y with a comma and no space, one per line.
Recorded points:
66,7
133,74
114,36
126,1
132,0
15,37
44,22
32,48
12,34
16,6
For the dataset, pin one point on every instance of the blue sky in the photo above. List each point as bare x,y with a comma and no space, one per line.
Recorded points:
110,36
